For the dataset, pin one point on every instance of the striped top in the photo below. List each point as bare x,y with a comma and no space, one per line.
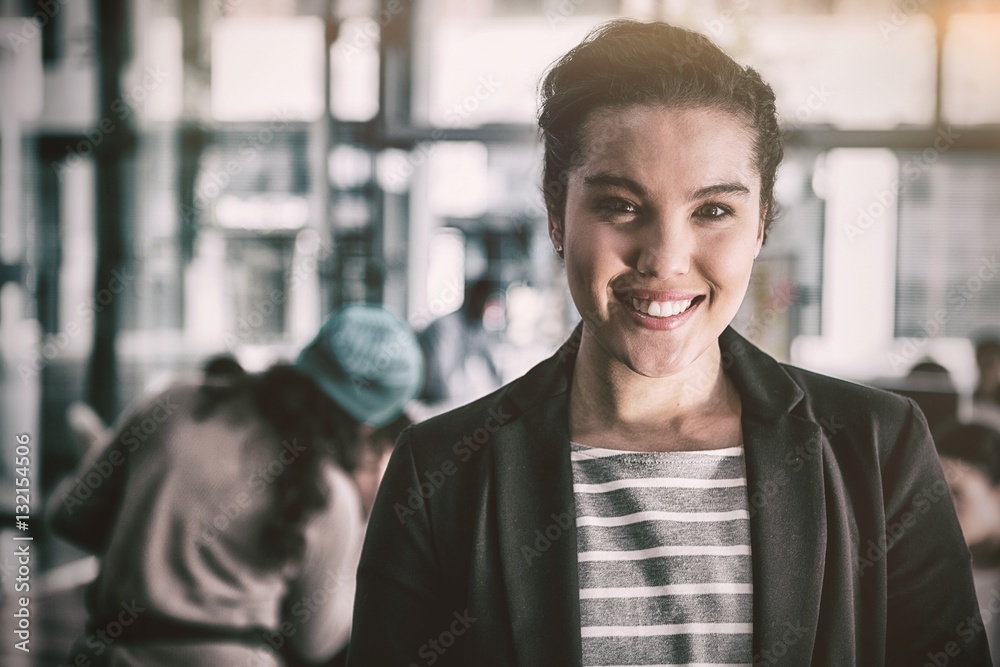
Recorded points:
664,557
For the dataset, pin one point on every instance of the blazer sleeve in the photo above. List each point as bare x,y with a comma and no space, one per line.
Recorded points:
932,615
398,610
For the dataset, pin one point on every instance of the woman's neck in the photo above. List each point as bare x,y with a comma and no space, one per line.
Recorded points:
613,406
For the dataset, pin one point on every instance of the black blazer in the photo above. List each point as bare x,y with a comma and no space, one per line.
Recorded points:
857,557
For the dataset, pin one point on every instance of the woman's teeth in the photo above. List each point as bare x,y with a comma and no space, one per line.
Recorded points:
661,308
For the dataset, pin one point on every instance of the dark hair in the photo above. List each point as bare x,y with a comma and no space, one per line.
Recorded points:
222,366
986,348
928,366
975,444
625,62
295,407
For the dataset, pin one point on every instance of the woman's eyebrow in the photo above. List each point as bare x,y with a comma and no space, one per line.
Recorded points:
737,189
604,178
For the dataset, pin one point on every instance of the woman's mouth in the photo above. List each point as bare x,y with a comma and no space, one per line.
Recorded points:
661,308
660,312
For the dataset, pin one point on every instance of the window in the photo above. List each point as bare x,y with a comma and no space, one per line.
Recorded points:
947,276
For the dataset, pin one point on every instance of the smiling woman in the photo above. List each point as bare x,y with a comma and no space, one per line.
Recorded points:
661,226
722,501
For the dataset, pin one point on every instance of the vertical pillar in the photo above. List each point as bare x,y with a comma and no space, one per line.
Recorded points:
113,39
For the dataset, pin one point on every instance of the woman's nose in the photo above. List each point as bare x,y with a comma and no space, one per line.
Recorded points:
666,248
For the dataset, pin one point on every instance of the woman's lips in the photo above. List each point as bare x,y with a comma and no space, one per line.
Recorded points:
660,310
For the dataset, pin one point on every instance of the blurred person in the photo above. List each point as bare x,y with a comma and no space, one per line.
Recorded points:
660,491
970,454
223,510
930,386
931,370
373,457
457,349
988,361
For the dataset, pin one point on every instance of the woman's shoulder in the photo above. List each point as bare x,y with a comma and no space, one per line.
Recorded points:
817,386
855,409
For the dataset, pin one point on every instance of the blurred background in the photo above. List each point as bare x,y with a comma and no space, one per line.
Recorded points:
184,178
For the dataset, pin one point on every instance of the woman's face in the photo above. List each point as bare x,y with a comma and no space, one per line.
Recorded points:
661,227
977,502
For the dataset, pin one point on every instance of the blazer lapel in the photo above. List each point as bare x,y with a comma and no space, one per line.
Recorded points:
537,520
787,533
787,505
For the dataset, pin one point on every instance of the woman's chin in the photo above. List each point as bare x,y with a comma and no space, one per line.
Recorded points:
656,366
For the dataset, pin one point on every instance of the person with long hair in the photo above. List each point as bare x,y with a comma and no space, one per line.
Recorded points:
223,511
660,491
970,454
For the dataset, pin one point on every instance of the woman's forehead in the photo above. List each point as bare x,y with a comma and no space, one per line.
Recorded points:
697,143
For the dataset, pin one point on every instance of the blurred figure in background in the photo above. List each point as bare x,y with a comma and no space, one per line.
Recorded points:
223,509
373,457
970,455
460,364
988,361
930,385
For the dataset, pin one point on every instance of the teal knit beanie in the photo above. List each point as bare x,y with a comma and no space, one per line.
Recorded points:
367,361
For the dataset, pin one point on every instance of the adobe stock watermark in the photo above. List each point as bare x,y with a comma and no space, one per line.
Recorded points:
435,647
31,26
882,201
967,630
544,539
450,291
778,302
306,606
923,501
465,108
813,447
463,450
772,655
563,11
53,345
468,105
795,460
225,7
214,183
817,98
594,319
101,640
717,26
899,16
957,298
259,481
141,430
896,530
265,306
122,108
364,37
7,570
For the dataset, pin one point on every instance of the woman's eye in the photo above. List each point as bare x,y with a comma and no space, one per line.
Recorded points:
713,211
619,207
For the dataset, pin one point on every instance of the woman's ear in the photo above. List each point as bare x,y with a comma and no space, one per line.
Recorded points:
556,232
760,233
